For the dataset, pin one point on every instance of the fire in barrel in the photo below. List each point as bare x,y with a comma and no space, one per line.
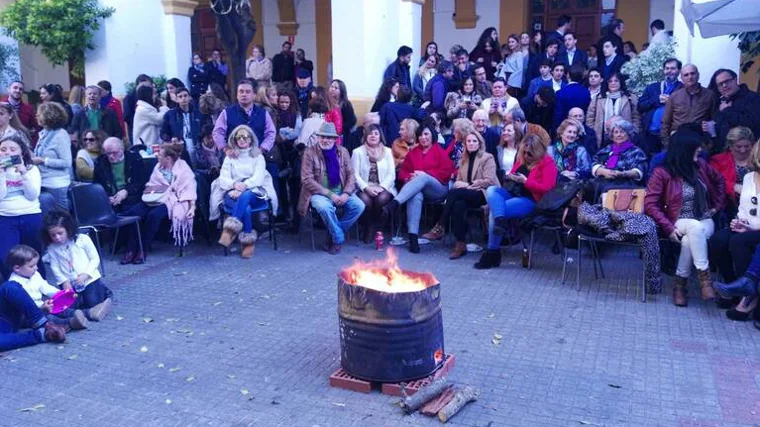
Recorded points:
391,328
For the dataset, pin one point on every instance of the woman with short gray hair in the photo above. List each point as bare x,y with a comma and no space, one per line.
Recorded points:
621,164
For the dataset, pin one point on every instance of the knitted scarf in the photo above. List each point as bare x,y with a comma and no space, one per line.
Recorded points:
564,157
181,192
615,153
612,104
332,166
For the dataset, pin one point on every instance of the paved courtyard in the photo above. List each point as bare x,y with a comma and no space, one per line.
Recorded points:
213,340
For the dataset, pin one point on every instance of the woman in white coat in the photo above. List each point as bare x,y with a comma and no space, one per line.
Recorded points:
375,176
148,118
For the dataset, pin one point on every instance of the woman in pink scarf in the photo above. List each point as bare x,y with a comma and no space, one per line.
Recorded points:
173,178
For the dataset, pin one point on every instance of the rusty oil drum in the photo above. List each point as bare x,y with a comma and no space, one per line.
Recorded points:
390,337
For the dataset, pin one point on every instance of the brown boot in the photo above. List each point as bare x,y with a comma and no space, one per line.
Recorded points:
230,231
247,241
679,291
460,250
435,234
705,282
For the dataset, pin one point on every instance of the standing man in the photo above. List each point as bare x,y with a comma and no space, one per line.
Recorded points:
462,71
652,106
24,111
611,61
301,63
564,23
659,35
615,35
217,69
573,95
571,56
738,106
595,81
109,101
690,104
94,116
283,67
483,87
399,69
182,125
303,91
550,54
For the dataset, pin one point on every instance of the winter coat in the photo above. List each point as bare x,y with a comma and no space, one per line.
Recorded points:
313,170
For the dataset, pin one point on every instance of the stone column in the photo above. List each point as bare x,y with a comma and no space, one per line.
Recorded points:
177,37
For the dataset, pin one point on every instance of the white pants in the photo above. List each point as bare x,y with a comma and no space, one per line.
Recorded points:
693,244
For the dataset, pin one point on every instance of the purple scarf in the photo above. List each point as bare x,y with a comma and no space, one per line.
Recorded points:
332,165
616,150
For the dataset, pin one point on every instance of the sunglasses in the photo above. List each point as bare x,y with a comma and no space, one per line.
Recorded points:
241,137
753,211
89,139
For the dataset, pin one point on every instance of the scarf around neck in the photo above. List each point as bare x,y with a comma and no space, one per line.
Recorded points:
612,104
617,149
332,166
563,162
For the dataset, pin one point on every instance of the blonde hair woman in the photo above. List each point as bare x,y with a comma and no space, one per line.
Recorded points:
406,141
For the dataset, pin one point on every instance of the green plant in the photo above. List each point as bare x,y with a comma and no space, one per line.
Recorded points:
159,81
63,29
749,45
8,64
646,68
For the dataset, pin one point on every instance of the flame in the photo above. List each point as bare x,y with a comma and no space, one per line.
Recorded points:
386,276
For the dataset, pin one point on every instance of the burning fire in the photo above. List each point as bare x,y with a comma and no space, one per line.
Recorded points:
386,276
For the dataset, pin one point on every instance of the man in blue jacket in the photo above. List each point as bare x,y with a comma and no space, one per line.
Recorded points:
571,55
570,96
399,69
438,86
183,125
652,106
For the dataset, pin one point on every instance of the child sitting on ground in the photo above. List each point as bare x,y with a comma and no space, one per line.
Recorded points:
75,262
22,260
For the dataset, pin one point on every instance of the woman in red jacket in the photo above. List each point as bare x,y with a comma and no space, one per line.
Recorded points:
682,197
533,175
733,164
426,172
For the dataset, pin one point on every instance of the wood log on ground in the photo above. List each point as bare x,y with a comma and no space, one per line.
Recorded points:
461,398
425,394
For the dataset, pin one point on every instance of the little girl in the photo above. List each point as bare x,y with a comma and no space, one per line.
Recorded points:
75,261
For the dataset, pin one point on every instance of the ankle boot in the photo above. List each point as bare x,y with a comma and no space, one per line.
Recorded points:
247,241
491,258
436,233
743,286
230,231
414,244
679,291
460,249
706,283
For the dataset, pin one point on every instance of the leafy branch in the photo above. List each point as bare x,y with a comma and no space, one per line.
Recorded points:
749,45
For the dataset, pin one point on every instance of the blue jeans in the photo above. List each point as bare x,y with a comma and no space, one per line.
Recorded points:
414,193
244,207
54,198
327,210
504,205
24,229
15,306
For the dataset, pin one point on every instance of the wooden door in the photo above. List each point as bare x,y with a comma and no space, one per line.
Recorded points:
203,30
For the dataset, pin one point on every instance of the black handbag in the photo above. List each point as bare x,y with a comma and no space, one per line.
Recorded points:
560,196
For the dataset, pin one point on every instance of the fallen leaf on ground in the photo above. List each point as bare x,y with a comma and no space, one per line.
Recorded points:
147,320
497,336
144,349
491,316
190,379
168,401
174,369
172,319
265,296
181,273
36,407
119,318
244,391
161,365
184,331
342,405
263,324
615,386
496,342
72,357
230,376
217,303
60,347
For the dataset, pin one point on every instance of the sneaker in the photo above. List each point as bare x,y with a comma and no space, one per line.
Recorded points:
100,311
79,321
54,333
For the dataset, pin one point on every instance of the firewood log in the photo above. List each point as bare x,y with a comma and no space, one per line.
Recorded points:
461,398
424,395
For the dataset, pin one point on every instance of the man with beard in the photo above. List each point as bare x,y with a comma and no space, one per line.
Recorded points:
652,106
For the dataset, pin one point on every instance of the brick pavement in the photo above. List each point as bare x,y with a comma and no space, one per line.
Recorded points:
236,343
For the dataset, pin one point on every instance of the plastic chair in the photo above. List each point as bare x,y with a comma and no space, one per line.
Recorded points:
93,210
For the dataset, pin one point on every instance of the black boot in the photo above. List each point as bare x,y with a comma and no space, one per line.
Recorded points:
742,287
388,211
414,245
489,259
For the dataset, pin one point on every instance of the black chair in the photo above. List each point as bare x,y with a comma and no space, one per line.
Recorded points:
93,210
557,231
312,218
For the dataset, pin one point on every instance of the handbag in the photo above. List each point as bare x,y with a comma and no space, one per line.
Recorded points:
560,196
153,196
622,200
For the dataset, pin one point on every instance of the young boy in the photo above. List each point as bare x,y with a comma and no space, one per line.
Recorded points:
22,260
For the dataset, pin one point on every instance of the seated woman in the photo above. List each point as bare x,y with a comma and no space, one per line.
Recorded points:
247,189
464,102
92,143
682,196
571,159
533,175
425,173
506,151
375,177
618,165
477,172
731,249
173,178
406,141
734,164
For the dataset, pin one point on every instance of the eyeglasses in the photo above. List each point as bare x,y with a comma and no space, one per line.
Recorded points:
753,211
724,82
243,137
89,139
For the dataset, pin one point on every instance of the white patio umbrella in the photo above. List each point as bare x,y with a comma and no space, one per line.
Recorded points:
722,17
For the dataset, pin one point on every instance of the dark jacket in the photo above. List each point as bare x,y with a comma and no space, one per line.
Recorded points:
215,75
665,195
134,175
650,102
616,41
460,76
579,58
349,119
570,96
435,92
615,65
130,106
744,111
589,141
492,137
199,80
400,72
108,123
534,65
391,115
283,68
174,125
304,65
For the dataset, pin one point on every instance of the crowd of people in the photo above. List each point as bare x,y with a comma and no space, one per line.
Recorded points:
496,130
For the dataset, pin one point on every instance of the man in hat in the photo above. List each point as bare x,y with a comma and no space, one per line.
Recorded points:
328,186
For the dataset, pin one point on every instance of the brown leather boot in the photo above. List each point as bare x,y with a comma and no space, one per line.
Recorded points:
679,291
435,234
460,250
230,230
705,282
247,241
